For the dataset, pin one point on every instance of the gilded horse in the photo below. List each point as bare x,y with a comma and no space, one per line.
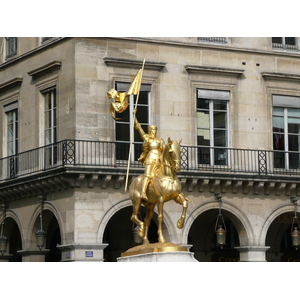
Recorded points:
163,187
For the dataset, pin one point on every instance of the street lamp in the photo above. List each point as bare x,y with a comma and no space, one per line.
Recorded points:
41,234
220,232
295,233
3,239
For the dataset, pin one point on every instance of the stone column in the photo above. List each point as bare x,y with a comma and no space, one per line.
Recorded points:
252,253
82,252
33,255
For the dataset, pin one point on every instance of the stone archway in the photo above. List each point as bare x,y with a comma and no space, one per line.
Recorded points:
202,237
238,223
279,239
53,235
118,233
13,234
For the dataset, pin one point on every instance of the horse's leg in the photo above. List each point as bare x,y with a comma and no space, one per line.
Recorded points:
134,217
149,215
160,205
181,199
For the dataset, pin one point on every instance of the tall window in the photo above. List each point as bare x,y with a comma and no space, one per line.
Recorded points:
50,126
125,125
11,46
212,126
288,43
11,112
286,131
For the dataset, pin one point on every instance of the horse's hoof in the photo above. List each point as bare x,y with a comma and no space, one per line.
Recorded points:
180,224
141,231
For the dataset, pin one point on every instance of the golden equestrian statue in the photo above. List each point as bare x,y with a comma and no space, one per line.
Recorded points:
159,183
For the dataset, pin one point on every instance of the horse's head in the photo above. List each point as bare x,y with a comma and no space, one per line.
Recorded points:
174,152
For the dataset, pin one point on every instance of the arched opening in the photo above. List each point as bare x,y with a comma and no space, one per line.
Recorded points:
118,233
280,241
12,232
203,238
53,237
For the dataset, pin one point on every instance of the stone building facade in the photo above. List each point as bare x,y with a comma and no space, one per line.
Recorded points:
235,102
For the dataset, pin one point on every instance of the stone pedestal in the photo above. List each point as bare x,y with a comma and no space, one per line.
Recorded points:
160,257
158,252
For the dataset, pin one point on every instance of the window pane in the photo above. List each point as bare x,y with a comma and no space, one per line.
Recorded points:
277,40
47,119
278,111
220,120
142,114
294,125
47,101
203,137
294,143
10,132
203,119
220,105
293,112
123,132
10,117
278,124
47,137
278,141
294,161
220,138
290,41
202,104
143,98
10,148
204,155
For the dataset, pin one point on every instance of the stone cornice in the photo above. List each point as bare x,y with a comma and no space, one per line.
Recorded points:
212,70
128,63
52,66
11,83
74,177
281,76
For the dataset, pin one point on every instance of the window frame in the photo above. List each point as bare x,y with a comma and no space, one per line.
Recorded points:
284,45
286,103
50,153
214,151
11,47
136,150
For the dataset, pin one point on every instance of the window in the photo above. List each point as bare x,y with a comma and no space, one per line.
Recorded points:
11,112
50,127
221,40
212,126
286,131
125,125
288,43
11,46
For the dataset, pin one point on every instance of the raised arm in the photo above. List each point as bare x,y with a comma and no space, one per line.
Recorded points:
138,126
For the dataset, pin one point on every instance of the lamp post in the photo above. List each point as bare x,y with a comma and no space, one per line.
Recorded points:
220,232
295,233
41,234
3,239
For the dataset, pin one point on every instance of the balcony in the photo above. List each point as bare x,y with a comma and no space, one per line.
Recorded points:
112,157
74,163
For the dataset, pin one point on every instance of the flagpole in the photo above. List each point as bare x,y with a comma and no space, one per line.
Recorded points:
132,129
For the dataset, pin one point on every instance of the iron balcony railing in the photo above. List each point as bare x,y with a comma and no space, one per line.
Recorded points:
221,40
113,155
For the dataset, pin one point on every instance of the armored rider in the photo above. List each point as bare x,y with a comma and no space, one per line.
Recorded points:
153,148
